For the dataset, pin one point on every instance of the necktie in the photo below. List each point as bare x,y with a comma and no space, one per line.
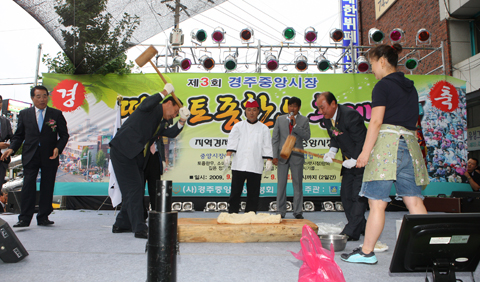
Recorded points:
147,146
290,127
153,148
333,121
40,120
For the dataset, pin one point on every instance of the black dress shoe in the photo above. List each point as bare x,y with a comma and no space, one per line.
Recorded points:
142,234
22,223
116,229
349,238
45,222
299,216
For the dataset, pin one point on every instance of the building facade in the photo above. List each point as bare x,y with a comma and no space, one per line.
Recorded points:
454,25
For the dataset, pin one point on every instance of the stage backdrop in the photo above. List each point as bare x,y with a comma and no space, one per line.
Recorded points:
216,102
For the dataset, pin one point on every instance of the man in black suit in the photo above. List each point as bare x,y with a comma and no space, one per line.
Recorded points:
154,152
3,201
6,134
126,152
347,131
44,134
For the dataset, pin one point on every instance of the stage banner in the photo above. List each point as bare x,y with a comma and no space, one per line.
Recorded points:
216,101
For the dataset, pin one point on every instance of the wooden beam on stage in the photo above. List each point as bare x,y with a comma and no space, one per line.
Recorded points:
208,230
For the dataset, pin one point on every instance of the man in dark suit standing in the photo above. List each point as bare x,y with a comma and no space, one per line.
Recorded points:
6,134
44,134
155,156
297,125
126,152
347,131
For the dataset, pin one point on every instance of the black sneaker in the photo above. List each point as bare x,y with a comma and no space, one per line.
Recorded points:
357,256
299,216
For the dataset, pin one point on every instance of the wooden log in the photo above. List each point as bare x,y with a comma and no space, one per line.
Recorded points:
287,147
208,230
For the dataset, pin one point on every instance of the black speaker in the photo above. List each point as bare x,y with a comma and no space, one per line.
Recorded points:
11,250
470,201
14,201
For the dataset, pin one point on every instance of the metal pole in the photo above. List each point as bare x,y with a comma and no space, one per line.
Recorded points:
162,237
443,56
38,64
163,198
176,26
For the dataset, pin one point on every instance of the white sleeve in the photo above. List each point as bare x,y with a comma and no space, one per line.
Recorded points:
267,150
233,138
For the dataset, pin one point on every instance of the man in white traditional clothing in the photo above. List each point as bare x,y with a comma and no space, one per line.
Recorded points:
251,142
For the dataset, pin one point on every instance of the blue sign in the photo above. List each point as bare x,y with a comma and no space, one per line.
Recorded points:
350,29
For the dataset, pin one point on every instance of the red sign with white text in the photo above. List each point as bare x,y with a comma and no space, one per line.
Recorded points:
68,95
444,96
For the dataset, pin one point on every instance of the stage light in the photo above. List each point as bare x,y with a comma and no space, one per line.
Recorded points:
362,64
336,35
322,63
210,207
176,206
222,206
218,35
375,36
198,36
308,206
207,62
328,206
246,35
243,206
289,34
271,62
411,63
301,63
289,206
310,35
187,206
230,63
339,206
272,206
184,63
423,37
397,35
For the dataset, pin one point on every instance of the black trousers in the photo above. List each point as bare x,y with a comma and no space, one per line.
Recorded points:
29,189
354,205
3,171
129,173
253,190
152,173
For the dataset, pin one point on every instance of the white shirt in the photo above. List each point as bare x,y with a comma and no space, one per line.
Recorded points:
37,113
334,118
288,118
252,143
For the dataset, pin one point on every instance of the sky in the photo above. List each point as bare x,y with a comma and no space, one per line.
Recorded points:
21,35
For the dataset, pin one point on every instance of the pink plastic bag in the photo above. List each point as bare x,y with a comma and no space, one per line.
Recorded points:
318,263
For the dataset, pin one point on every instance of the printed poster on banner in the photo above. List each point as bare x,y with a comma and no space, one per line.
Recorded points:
216,101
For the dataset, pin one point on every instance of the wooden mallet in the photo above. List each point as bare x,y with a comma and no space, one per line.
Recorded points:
147,56
289,146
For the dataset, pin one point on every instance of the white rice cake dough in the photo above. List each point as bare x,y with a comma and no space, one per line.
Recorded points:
248,218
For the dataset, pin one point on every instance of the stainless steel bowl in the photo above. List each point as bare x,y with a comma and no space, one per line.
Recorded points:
339,241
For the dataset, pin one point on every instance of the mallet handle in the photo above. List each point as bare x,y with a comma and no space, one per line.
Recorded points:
315,155
165,81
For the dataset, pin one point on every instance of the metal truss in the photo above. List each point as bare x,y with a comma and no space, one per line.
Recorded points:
193,52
